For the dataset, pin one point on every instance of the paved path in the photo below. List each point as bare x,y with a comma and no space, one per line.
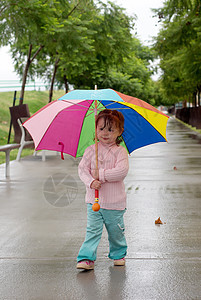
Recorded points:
43,220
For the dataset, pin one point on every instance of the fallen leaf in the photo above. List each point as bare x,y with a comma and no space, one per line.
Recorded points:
158,221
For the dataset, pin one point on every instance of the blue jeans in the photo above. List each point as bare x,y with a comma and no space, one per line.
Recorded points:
114,223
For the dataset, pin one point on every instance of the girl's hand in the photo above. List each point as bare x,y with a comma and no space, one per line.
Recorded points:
96,185
95,174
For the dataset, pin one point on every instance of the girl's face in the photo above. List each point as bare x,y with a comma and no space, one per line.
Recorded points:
107,134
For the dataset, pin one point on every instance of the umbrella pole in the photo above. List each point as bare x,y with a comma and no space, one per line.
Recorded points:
96,205
96,139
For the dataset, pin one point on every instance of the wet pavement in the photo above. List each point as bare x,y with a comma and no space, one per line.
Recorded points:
43,221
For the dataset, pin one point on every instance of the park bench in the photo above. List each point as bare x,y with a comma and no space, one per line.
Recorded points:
16,112
7,148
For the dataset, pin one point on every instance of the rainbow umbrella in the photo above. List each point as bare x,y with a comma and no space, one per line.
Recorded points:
67,124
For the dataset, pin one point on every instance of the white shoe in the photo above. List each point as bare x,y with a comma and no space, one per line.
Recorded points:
85,264
119,262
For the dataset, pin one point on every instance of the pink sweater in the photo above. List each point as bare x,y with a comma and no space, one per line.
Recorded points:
113,168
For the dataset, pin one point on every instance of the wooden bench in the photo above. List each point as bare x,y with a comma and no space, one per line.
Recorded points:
7,148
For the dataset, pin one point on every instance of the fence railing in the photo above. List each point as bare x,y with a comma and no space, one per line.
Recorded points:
15,85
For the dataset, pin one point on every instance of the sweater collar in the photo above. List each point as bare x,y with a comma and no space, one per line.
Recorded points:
107,146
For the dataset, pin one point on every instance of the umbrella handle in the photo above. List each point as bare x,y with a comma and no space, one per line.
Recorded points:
62,149
96,195
96,205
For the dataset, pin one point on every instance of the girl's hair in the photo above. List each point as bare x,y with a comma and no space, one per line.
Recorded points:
112,117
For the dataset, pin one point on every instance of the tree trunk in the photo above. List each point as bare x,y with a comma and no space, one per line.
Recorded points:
53,78
184,103
25,75
29,61
66,84
194,98
199,98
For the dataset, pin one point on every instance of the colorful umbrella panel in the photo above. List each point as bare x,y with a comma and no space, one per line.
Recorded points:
67,125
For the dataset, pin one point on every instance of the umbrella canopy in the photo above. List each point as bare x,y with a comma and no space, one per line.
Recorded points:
67,124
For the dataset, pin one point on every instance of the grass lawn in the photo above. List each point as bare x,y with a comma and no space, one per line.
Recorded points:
35,100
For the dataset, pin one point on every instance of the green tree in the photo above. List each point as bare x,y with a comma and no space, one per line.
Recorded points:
178,46
81,43
133,75
28,26
71,48
109,33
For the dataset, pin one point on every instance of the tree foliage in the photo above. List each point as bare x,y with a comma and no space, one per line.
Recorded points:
81,42
27,26
178,46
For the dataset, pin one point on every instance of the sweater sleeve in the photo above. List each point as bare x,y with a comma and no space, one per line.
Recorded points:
84,168
120,170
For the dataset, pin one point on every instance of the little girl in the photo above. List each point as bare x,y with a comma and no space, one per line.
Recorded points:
113,168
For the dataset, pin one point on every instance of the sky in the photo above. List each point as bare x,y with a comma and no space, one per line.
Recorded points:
146,27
